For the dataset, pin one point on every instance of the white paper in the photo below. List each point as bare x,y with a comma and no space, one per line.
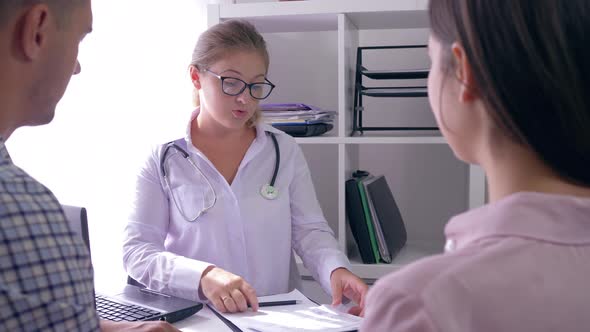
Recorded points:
302,317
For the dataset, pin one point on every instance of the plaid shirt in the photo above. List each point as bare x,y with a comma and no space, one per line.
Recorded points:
46,279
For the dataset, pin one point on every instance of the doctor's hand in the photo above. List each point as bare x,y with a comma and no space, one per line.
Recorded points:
227,291
345,283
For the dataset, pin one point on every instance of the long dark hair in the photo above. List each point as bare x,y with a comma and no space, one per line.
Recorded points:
531,64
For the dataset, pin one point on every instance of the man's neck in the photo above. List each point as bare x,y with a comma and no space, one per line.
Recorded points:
7,120
11,97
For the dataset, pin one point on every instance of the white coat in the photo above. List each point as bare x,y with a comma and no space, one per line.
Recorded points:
242,233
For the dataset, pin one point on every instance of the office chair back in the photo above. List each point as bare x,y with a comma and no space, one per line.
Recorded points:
78,221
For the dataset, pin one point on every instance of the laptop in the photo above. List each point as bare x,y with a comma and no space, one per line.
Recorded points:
132,303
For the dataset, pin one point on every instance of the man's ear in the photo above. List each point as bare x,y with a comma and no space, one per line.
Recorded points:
195,77
34,32
463,73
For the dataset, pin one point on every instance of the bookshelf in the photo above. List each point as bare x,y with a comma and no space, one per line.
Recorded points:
313,47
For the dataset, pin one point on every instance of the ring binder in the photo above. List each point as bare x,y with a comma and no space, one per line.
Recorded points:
375,220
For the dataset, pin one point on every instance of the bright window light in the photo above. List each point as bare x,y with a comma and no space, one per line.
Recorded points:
133,92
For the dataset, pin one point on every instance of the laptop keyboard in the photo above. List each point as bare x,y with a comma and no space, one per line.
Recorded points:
115,311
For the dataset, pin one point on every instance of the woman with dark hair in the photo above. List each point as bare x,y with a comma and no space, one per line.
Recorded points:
509,87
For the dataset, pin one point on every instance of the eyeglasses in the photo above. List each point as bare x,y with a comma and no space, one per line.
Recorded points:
234,86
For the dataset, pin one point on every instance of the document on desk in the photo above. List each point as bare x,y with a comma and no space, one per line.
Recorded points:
301,317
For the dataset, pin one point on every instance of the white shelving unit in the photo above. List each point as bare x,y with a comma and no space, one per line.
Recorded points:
313,48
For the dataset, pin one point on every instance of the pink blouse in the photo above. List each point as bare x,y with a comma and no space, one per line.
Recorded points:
519,264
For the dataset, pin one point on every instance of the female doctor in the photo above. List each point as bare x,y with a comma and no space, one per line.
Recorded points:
218,213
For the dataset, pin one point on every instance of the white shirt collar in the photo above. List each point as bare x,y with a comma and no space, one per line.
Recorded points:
261,128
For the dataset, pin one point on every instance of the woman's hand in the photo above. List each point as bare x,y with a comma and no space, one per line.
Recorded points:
345,283
227,291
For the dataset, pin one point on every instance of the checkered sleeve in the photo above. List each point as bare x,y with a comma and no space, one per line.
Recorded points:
46,278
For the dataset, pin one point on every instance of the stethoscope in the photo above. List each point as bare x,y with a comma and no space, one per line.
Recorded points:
268,191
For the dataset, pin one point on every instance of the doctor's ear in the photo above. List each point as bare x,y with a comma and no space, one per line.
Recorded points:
195,77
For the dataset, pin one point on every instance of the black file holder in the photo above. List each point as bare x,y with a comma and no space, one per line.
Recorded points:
392,92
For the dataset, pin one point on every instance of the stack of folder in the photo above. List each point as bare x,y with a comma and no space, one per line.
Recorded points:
298,119
375,220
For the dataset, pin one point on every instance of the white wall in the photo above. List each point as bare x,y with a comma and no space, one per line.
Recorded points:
133,92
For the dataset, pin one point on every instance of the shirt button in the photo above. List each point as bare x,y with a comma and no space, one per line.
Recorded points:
450,245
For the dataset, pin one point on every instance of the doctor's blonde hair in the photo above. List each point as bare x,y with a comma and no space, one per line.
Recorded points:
223,38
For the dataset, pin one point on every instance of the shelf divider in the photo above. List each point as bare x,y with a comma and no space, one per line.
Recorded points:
409,254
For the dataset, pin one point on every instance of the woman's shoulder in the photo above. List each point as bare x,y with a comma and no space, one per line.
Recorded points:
418,276
153,151
285,140
277,132
158,148
415,292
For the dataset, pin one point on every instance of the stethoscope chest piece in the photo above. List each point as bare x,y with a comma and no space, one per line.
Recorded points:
269,192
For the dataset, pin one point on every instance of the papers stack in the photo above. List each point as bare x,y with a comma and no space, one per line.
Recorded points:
298,119
304,316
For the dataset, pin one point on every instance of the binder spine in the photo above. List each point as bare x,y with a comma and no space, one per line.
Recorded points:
356,220
365,206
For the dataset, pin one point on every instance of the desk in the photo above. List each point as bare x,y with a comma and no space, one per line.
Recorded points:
203,320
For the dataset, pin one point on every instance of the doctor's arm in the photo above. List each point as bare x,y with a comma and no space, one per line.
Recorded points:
147,260
314,241
144,255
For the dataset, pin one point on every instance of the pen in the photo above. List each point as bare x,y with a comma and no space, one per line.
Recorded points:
276,303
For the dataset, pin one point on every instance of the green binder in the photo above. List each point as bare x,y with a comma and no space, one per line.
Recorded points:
368,219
